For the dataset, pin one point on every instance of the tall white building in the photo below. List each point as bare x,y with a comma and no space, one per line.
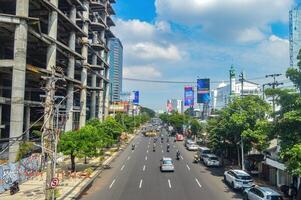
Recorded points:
295,34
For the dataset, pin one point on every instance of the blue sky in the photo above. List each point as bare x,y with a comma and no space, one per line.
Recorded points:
173,40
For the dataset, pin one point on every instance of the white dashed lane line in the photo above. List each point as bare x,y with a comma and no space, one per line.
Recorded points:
122,167
140,184
145,157
112,183
143,168
129,157
197,181
188,167
169,184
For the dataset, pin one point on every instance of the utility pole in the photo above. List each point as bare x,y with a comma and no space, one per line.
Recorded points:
50,136
241,79
274,84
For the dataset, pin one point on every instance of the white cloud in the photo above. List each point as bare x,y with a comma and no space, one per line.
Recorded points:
151,51
226,19
141,72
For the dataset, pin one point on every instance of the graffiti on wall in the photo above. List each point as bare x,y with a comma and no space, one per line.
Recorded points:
19,171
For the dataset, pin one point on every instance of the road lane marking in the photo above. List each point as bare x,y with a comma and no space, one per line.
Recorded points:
122,167
162,151
145,157
182,158
147,151
188,167
129,157
140,184
112,183
197,181
169,183
143,168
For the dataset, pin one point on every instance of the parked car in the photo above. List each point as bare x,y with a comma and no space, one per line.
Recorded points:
211,160
203,151
261,193
188,142
192,147
238,179
166,165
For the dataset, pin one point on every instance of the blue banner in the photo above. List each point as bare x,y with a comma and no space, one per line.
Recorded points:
136,97
203,91
188,96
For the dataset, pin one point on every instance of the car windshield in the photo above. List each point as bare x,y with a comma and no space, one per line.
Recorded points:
206,152
214,158
274,197
167,162
244,177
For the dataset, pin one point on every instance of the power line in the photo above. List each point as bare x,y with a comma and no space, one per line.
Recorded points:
181,82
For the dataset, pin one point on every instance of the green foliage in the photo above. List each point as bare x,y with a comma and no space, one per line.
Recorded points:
111,127
292,157
147,111
247,118
25,149
196,127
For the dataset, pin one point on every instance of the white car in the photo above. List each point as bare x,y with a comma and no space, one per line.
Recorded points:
166,165
211,160
238,179
192,147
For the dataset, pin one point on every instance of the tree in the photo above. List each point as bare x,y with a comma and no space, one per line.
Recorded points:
111,127
195,126
147,111
244,118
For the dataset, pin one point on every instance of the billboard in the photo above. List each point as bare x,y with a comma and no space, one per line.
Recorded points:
169,106
203,91
136,97
188,96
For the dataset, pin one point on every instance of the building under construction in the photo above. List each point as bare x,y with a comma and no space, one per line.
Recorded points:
63,38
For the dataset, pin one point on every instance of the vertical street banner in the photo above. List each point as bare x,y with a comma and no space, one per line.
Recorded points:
169,107
188,96
136,97
203,91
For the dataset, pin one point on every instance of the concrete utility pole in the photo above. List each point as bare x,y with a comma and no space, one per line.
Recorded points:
274,84
48,133
241,79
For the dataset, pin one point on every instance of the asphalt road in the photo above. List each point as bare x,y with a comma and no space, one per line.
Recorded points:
135,175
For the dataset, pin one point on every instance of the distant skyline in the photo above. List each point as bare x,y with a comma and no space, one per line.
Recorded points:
163,41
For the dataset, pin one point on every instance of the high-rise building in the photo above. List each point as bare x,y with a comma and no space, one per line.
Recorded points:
116,60
68,39
295,35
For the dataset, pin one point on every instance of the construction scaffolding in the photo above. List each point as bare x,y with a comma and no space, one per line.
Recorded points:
39,35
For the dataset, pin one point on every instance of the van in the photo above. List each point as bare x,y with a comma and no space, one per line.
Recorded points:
203,151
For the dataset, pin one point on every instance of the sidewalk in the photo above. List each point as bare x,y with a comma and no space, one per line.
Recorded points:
71,184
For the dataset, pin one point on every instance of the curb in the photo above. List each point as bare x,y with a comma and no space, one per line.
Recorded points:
99,171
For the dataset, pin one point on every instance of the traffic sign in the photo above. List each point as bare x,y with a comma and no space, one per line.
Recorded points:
54,182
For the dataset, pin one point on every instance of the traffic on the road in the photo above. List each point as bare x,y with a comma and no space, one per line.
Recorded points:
159,165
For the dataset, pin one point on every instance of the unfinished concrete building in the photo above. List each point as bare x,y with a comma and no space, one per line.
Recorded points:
37,35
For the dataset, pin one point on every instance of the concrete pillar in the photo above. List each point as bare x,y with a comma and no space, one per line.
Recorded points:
100,102
0,119
18,78
83,94
70,74
27,121
93,98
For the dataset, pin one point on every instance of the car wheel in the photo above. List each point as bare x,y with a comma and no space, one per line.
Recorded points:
232,185
225,179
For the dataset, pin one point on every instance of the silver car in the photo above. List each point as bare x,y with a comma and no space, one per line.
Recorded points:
261,193
166,165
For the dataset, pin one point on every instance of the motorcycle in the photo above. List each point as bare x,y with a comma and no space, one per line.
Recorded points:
133,147
14,188
178,156
196,159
